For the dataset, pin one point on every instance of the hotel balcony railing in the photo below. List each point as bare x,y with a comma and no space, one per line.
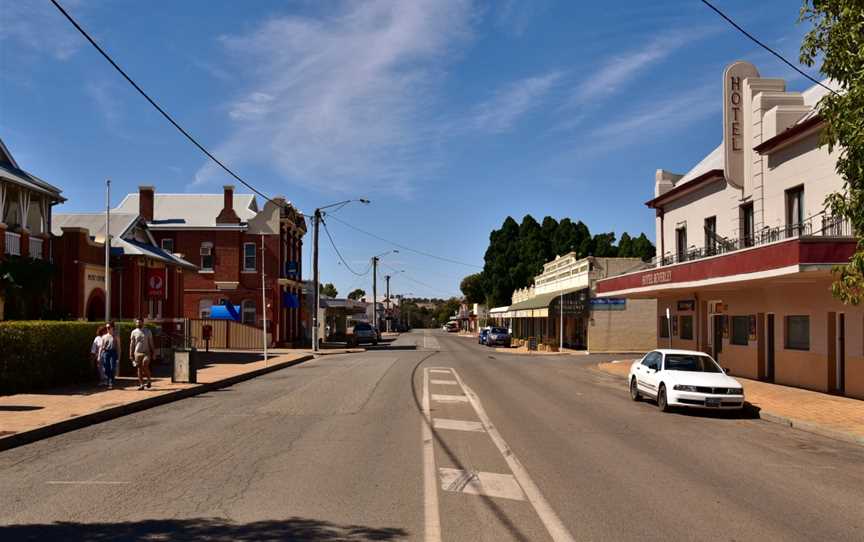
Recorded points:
36,247
13,243
819,225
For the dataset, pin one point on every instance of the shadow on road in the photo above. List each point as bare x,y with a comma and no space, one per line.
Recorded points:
201,529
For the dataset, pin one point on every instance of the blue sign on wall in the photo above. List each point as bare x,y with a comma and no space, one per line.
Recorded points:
608,304
291,268
290,300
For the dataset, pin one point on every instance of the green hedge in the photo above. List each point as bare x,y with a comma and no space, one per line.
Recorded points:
43,354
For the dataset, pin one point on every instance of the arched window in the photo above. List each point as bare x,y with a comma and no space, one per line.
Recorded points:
204,308
249,312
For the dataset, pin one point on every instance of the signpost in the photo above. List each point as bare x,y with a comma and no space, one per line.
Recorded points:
669,325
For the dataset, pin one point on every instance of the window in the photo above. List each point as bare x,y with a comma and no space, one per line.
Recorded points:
206,256
686,326
798,332
204,308
748,226
249,312
692,363
711,235
652,360
794,211
168,245
740,330
249,256
681,243
664,328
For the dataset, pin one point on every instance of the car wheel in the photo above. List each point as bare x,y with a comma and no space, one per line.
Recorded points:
374,343
634,390
662,403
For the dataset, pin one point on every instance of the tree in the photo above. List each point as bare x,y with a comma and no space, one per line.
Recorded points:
604,245
359,293
625,246
643,248
837,38
472,288
328,290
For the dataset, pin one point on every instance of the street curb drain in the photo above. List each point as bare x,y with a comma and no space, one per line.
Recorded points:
793,423
26,437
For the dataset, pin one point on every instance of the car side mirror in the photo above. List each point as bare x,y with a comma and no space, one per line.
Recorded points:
726,370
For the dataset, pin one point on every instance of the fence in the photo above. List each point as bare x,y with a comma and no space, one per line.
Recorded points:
226,334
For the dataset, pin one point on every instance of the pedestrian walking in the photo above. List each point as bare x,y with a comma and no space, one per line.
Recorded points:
141,352
94,354
117,348
108,354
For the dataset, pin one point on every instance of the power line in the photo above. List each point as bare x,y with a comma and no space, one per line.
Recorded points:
157,106
403,247
407,276
333,244
769,49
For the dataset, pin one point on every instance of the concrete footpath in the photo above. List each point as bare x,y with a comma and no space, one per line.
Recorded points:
840,418
28,417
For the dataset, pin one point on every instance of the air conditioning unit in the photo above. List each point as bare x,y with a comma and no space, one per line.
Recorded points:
206,250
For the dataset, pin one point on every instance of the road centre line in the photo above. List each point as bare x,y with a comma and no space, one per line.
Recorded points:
432,519
439,398
458,425
548,516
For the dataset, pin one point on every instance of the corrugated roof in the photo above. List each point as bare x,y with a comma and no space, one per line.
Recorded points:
192,210
542,301
94,222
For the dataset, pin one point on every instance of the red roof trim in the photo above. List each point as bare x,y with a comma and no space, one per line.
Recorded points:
689,186
790,133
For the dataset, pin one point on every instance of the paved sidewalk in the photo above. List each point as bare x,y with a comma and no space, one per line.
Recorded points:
31,416
836,417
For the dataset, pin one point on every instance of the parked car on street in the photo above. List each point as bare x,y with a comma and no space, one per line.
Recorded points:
684,378
362,332
498,336
451,327
481,337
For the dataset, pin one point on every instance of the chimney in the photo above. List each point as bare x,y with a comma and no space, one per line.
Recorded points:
227,215
146,195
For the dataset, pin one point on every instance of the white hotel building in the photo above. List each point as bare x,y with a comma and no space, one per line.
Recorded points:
747,246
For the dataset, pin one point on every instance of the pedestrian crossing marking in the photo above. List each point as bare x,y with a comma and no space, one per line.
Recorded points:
489,484
458,425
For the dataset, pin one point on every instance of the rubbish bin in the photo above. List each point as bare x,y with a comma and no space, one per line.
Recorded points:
185,365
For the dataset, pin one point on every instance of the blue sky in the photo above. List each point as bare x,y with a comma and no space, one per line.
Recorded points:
448,114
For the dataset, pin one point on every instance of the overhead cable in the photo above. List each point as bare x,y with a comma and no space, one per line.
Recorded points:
333,244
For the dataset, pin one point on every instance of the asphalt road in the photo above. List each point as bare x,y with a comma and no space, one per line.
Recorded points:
516,448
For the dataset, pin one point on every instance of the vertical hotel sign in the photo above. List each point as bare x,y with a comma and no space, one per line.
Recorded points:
733,120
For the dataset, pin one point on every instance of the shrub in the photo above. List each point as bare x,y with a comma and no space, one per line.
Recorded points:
43,354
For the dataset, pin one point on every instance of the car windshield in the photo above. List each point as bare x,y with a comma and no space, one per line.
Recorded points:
362,327
691,362
498,330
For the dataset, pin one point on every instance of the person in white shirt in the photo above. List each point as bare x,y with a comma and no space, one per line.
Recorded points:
141,352
94,354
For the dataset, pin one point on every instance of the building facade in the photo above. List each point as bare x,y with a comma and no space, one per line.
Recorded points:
230,240
561,307
747,247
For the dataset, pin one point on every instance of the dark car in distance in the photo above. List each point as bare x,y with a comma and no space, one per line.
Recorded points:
484,333
498,336
362,333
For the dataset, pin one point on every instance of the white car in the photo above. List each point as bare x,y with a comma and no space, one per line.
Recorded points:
684,378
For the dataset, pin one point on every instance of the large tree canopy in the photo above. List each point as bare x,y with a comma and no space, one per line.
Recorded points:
472,288
837,38
517,253
358,293
328,290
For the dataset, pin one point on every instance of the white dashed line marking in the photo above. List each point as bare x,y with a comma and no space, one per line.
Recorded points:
445,382
449,398
458,425
445,371
488,484
432,519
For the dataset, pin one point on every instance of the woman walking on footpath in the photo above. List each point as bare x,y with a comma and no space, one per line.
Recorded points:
108,354
141,351
94,354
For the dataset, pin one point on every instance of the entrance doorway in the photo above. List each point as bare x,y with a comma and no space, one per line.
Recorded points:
95,311
769,348
841,353
718,335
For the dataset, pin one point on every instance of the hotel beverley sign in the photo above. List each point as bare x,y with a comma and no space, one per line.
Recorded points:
733,120
657,277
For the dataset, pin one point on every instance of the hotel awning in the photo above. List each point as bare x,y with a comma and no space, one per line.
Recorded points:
538,306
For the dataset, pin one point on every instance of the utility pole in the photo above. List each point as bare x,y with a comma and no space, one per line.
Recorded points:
263,302
107,250
387,314
561,322
315,220
375,291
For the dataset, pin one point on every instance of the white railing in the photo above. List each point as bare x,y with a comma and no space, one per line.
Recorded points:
36,247
13,243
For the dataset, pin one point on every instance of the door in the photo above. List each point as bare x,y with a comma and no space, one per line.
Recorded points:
718,336
769,348
646,373
841,353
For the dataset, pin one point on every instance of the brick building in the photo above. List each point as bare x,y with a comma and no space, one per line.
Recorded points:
222,234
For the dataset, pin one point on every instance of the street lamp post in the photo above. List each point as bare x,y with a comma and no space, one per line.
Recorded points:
316,220
375,285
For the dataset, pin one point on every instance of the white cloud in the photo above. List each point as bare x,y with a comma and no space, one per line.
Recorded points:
342,100
512,102
514,16
40,27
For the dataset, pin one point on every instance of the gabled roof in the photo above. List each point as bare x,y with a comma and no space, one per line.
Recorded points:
10,171
94,223
191,210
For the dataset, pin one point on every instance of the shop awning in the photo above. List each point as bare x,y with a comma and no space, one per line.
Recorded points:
538,306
